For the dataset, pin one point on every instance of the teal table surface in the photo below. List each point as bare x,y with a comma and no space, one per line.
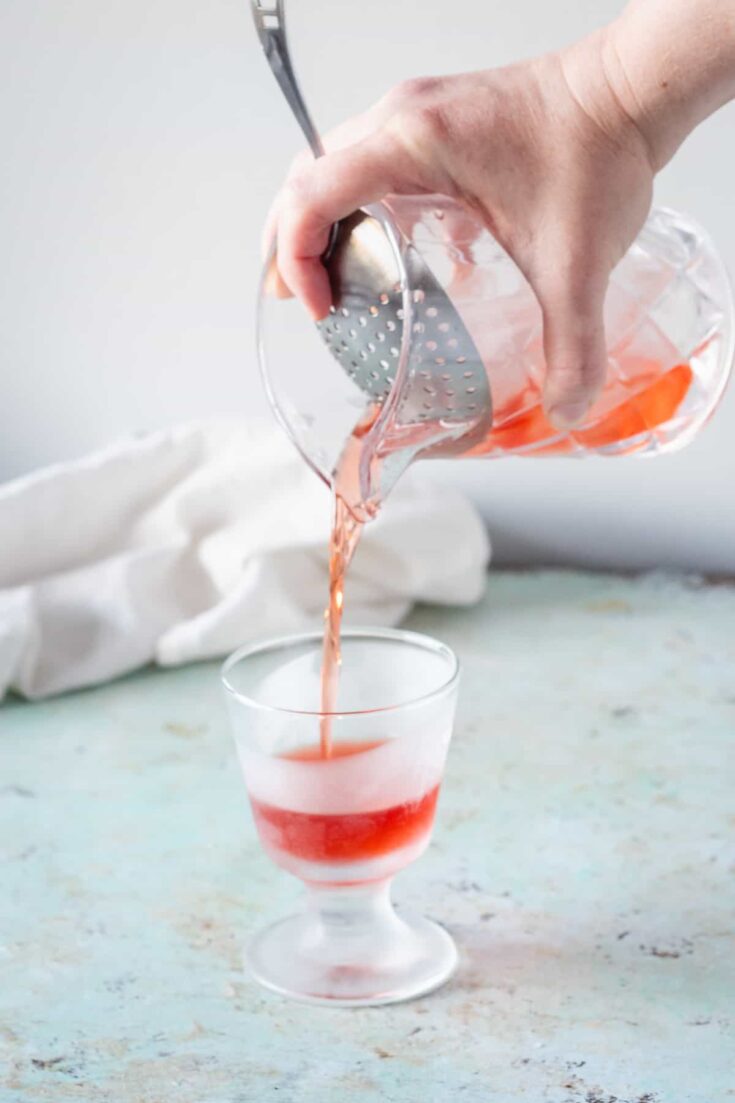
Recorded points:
583,859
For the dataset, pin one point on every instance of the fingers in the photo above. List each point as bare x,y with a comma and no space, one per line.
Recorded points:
273,285
574,344
386,149
327,190
345,134
268,233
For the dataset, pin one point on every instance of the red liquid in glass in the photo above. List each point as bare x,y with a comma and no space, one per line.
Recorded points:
521,421
349,836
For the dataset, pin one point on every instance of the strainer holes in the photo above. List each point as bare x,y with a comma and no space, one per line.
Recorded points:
446,376
449,393
333,309
452,343
384,365
432,312
362,320
352,333
371,346
374,375
380,336
418,327
337,327
427,406
463,360
429,390
390,325
431,346
425,374
345,312
393,350
399,313
419,295
440,361
385,299
363,354
470,390
472,406
444,327
374,311
468,374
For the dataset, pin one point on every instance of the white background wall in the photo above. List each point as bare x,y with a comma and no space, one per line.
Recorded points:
140,142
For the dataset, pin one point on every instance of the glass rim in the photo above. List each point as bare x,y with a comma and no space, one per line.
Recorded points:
396,635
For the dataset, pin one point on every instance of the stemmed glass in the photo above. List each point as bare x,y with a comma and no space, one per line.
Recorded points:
345,825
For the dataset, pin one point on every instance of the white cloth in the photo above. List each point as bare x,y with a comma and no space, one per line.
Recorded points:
185,543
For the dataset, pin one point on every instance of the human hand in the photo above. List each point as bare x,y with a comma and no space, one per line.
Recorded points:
556,156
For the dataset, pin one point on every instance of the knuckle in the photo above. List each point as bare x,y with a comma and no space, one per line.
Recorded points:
577,375
575,290
411,91
569,376
421,127
428,119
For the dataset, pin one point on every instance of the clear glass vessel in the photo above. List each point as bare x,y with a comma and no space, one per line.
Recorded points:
669,324
345,825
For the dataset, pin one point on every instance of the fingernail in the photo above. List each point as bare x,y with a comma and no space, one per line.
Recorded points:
565,415
319,310
274,285
271,281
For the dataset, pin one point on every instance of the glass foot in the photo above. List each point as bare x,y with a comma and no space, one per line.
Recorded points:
352,950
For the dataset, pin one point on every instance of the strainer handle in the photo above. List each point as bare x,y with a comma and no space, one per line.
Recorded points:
270,23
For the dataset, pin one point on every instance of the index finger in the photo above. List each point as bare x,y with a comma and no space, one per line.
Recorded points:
330,189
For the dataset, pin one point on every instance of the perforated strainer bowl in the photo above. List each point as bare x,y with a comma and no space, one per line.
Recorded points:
392,327
408,371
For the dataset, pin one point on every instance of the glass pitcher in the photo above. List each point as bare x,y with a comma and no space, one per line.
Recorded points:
669,325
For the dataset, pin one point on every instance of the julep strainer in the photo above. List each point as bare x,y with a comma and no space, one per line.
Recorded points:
406,354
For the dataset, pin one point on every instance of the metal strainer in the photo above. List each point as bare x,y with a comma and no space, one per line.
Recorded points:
370,263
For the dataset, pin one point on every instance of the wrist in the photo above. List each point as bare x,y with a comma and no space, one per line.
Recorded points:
586,67
670,64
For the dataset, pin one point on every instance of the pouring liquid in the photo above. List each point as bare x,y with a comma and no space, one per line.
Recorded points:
349,516
345,535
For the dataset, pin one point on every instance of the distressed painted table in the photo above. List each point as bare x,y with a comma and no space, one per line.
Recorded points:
583,859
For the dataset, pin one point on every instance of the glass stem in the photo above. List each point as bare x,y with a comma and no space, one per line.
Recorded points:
352,922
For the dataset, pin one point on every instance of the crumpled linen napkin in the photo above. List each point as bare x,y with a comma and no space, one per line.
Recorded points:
185,543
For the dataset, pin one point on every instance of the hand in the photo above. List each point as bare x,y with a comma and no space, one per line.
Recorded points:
556,156
562,180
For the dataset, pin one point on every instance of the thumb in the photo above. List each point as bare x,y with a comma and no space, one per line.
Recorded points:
574,346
